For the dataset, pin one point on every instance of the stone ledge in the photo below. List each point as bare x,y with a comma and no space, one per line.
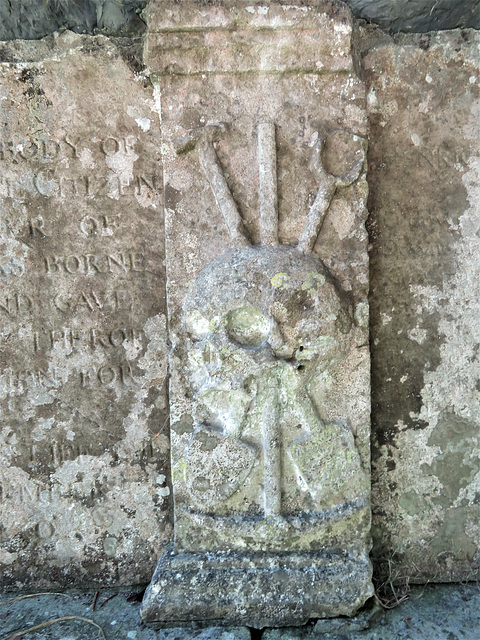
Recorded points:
186,39
255,590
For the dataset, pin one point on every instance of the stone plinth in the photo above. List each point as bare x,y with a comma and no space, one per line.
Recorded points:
263,141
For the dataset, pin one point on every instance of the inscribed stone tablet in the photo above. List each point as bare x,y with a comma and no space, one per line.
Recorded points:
82,334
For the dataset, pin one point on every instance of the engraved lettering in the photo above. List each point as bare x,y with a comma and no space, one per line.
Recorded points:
106,375
72,264
88,188
99,304
102,186
23,494
30,493
7,150
85,377
73,146
50,149
110,146
119,262
13,268
130,188
137,261
89,226
84,301
110,222
58,337
68,186
18,382
62,302
69,338
129,142
125,373
123,300
52,264
150,182
27,149
44,183
97,340
36,227
92,263
117,337
16,304
6,182
118,300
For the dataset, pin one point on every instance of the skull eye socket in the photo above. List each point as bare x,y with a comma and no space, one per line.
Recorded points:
247,326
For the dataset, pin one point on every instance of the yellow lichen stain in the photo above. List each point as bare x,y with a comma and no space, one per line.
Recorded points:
280,281
179,471
313,281
214,324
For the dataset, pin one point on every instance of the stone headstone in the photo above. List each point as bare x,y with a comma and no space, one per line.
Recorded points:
83,492
423,101
263,129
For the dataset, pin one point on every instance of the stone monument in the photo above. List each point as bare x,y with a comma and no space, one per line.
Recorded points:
263,128
83,459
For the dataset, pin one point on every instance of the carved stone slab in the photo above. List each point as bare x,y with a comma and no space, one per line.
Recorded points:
426,304
263,125
83,492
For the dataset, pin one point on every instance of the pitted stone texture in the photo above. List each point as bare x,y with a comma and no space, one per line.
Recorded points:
423,101
84,454
267,276
257,590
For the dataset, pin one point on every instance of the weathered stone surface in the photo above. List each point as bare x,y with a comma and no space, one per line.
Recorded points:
83,452
263,127
423,101
256,589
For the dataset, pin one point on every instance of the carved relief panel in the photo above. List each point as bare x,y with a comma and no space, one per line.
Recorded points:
267,277
262,336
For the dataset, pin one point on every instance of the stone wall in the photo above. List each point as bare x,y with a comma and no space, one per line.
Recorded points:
84,493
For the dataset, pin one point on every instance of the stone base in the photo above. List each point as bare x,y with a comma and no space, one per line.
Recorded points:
255,590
